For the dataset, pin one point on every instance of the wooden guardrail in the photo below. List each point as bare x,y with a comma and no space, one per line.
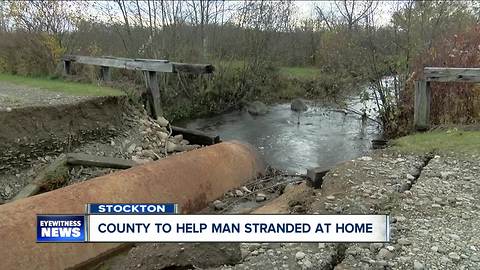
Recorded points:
149,67
423,89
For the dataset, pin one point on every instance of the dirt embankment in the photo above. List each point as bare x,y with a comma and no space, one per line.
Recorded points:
30,132
104,127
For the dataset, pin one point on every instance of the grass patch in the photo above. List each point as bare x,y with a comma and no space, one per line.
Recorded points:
305,73
467,142
309,73
230,64
57,85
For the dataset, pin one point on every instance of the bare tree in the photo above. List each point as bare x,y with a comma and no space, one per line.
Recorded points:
346,12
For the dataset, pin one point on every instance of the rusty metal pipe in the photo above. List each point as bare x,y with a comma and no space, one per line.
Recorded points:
190,179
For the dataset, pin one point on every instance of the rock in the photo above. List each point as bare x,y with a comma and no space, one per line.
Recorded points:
298,105
404,242
308,264
299,255
131,148
375,246
454,236
260,197
444,175
454,256
299,209
451,200
140,160
442,250
162,135
171,147
238,193
257,108
410,177
365,158
382,263
178,138
8,190
254,246
162,121
330,198
418,266
218,205
444,260
244,188
384,254
149,154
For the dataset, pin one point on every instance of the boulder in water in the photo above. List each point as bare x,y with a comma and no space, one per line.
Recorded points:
298,105
257,108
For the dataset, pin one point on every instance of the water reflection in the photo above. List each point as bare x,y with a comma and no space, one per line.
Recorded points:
322,138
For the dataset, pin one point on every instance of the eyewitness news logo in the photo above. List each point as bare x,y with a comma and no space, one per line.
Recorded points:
61,228
73,228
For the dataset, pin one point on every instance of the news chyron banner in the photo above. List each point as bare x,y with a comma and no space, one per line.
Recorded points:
162,223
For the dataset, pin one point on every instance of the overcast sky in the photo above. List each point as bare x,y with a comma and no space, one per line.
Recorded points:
384,9
305,9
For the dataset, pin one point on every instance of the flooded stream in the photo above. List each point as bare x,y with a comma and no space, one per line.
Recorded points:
324,137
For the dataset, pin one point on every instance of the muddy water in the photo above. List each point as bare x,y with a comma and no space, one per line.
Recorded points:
323,137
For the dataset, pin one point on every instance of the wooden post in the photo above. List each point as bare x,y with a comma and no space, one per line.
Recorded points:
106,73
422,105
153,93
67,67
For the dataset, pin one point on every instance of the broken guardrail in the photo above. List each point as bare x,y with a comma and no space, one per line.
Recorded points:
149,67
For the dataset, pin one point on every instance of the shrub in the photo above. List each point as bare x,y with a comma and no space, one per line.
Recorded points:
452,103
29,53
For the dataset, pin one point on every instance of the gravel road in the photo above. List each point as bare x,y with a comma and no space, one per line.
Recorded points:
432,199
17,96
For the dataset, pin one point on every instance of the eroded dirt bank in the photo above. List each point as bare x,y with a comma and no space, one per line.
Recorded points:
30,132
33,138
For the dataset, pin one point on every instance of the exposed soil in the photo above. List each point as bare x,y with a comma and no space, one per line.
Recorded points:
177,256
31,132
33,137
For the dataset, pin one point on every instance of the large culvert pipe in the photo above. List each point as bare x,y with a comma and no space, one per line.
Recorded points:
190,179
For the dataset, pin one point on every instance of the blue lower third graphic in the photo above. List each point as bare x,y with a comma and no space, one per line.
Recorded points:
61,228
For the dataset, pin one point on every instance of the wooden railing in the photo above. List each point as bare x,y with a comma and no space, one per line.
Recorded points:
423,89
149,67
